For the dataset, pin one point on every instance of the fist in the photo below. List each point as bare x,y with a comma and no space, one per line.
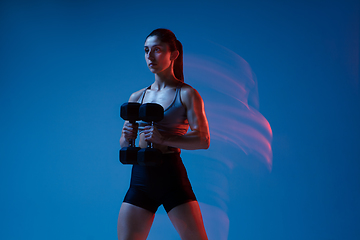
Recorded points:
130,130
151,134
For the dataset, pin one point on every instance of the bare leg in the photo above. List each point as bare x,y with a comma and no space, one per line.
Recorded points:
188,221
134,223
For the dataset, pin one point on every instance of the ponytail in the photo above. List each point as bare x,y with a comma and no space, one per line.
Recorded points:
178,63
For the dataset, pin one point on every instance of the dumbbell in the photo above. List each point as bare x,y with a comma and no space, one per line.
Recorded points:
150,156
129,111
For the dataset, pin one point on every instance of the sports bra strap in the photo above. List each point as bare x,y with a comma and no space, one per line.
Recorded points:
178,87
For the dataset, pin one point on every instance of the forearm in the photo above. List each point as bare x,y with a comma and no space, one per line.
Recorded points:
124,142
190,141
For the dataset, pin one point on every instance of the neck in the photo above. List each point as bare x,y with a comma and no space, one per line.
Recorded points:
161,82
165,79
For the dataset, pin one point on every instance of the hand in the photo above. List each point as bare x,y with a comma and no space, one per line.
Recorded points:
130,130
152,135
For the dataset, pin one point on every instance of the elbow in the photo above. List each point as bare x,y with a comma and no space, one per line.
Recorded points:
205,143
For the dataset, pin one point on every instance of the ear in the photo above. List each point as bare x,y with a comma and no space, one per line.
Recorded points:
174,55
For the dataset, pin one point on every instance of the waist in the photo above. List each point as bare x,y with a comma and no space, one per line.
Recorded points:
163,148
167,129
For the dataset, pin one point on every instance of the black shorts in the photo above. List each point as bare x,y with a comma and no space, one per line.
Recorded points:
166,184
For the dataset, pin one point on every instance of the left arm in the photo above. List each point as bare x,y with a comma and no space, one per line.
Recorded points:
198,137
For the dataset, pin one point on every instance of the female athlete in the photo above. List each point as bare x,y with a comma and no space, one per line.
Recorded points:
166,184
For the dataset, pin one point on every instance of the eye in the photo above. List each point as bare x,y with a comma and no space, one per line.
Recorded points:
157,49
146,50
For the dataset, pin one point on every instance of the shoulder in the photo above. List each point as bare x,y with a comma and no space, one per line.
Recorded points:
136,95
187,90
189,94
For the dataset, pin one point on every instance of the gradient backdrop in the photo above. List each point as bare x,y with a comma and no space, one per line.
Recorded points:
280,80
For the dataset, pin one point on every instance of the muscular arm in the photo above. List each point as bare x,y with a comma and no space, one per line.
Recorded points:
198,137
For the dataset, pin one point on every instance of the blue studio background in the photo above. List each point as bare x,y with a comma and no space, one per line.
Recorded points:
66,67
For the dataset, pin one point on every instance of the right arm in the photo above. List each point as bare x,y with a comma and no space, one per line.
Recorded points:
129,130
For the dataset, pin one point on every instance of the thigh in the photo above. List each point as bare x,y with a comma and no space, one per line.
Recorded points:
134,223
188,221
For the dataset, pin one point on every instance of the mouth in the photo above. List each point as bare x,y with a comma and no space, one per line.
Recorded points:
152,64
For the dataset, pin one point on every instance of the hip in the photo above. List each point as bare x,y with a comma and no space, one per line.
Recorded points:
170,173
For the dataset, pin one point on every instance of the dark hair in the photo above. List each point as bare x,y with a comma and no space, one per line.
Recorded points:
167,36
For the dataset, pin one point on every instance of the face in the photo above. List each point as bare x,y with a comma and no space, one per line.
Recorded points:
157,55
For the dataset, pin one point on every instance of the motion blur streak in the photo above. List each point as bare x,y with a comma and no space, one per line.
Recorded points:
229,89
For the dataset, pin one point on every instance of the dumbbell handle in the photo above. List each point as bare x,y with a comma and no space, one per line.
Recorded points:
132,141
150,144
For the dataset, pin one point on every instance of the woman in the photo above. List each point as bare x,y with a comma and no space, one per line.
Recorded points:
166,184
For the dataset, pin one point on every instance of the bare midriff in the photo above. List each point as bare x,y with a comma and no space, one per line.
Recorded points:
162,148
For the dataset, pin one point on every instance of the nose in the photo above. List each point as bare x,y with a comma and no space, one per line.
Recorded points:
150,55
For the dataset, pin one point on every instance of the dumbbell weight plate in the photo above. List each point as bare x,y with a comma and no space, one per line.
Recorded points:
128,155
149,157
